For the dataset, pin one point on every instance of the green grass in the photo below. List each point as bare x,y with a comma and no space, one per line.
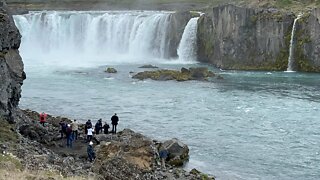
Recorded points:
7,132
9,159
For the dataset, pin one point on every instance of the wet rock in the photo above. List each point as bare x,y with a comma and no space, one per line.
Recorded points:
148,66
178,152
199,73
110,70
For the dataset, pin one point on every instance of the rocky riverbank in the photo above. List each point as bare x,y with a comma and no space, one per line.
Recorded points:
125,155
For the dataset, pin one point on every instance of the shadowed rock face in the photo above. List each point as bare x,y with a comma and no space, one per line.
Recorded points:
232,37
307,43
11,65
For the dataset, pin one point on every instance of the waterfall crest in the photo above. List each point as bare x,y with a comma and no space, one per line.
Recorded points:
187,49
94,35
291,49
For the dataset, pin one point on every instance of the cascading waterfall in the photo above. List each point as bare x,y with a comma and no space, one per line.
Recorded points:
291,49
187,50
79,36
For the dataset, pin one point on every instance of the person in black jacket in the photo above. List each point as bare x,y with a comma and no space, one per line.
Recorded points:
106,128
98,126
90,152
87,126
114,122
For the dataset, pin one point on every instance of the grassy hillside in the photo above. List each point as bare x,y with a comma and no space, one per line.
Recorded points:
291,5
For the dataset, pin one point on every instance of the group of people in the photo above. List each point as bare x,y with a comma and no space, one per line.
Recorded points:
70,131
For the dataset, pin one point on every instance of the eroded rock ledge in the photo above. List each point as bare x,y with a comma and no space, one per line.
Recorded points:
126,155
198,73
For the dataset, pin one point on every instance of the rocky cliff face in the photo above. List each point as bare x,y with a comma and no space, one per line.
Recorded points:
178,22
232,37
11,65
307,43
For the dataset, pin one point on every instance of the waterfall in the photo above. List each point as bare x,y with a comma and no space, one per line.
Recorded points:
187,49
95,36
291,49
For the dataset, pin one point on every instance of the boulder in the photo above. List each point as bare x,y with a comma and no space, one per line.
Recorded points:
148,66
130,155
178,152
111,70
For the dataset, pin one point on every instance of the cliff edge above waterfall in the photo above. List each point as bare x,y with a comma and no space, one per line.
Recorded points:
233,37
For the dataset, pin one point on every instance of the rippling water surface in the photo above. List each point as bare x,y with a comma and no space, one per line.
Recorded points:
251,125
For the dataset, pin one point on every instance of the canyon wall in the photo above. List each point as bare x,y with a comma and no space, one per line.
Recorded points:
11,65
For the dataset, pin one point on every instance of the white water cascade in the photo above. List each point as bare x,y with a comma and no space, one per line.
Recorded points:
291,49
187,50
111,36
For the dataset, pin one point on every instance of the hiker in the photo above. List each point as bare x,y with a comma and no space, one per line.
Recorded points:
43,118
69,136
98,126
87,126
63,126
114,122
75,127
106,128
89,134
163,153
90,151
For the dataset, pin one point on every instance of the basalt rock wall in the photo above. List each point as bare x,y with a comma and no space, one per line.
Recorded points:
11,65
307,42
232,37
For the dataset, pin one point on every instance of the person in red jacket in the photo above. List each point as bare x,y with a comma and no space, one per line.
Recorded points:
43,118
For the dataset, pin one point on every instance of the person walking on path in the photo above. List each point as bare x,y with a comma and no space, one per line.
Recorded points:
69,136
98,126
75,127
106,128
89,134
114,122
90,151
43,118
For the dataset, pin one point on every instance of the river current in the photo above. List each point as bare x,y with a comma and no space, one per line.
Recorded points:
250,125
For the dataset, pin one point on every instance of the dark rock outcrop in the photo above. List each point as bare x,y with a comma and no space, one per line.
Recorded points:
148,66
199,73
307,43
178,21
232,37
178,152
110,70
11,65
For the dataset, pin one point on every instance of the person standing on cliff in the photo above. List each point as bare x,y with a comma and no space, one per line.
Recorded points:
89,134
87,126
114,122
43,118
69,136
98,126
75,127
